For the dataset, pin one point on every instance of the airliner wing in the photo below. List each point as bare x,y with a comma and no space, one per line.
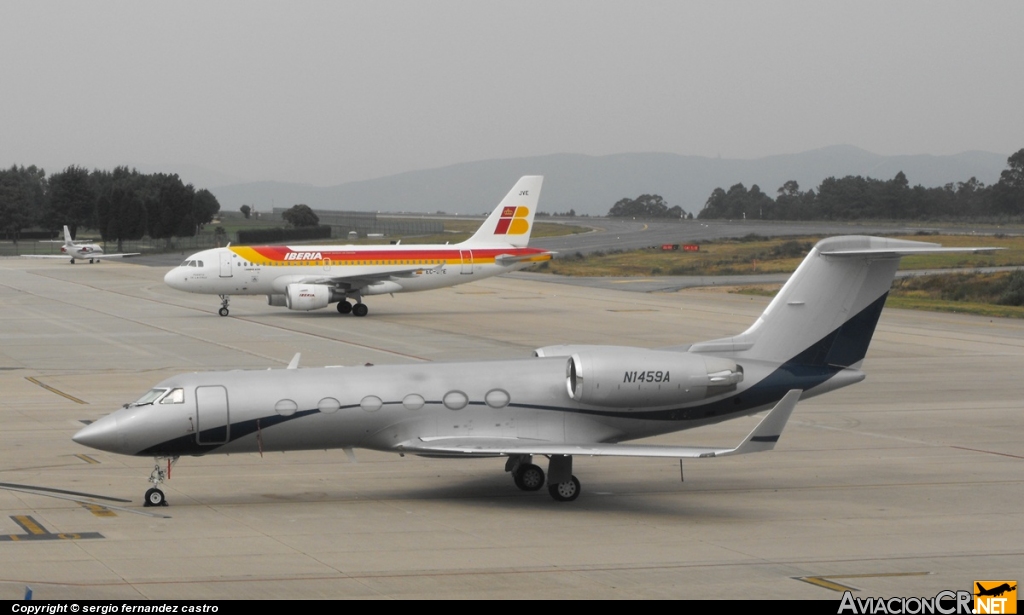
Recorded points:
762,438
358,280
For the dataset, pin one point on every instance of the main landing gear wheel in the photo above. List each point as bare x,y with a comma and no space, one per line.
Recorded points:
528,477
155,497
344,307
565,492
360,309
224,299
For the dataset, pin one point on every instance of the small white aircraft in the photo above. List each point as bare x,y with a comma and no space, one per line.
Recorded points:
312,277
566,401
73,250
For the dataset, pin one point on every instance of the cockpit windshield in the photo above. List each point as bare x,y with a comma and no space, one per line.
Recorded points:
163,396
176,396
191,263
150,397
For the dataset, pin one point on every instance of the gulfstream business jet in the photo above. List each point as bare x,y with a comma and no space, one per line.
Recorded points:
567,400
313,277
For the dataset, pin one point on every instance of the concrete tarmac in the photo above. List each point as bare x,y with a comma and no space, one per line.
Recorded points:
903,485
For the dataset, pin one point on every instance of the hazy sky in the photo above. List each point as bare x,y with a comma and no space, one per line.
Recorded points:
327,92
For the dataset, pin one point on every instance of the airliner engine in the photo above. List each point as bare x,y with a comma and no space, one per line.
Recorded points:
307,297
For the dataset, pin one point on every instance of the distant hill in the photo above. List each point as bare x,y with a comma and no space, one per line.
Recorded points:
592,184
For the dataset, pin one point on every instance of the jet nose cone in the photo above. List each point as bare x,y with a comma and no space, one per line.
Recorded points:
174,278
102,435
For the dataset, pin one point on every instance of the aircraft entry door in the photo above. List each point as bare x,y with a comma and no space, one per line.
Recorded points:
213,425
467,261
225,264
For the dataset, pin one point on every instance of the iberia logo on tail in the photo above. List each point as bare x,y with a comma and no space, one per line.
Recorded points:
513,221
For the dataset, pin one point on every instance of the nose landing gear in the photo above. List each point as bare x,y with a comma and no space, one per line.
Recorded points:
155,496
224,299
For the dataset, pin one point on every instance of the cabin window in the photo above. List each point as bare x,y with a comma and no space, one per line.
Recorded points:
455,400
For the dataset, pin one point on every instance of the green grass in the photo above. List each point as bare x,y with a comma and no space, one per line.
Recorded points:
983,294
964,293
781,255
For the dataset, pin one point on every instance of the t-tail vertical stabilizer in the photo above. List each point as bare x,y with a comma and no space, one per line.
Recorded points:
826,313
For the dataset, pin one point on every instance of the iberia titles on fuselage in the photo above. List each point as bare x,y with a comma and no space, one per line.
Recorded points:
312,277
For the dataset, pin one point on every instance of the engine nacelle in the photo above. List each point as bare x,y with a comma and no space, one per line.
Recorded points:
306,297
277,300
626,378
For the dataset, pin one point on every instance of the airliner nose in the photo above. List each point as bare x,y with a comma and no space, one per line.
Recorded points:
102,435
174,278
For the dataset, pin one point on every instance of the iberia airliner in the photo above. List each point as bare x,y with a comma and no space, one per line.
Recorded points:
313,277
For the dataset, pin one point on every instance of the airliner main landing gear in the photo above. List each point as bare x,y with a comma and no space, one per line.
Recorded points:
154,496
224,299
359,309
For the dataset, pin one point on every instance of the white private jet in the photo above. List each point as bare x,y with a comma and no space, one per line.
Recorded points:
73,250
312,277
566,401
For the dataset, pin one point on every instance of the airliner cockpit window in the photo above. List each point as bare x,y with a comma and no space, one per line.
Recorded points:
150,397
176,396
184,263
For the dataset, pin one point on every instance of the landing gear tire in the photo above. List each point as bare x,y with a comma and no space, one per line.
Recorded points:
528,477
224,301
344,307
155,497
565,492
360,309
223,311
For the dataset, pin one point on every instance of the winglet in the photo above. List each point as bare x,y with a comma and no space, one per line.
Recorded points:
294,363
767,433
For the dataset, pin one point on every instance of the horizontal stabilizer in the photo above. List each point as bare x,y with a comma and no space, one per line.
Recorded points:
511,259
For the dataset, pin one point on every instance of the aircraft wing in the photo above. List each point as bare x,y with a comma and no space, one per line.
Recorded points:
122,255
359,280
762,438
80,257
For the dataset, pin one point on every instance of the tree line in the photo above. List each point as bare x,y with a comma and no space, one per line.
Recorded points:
645,206
121,204
855,197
